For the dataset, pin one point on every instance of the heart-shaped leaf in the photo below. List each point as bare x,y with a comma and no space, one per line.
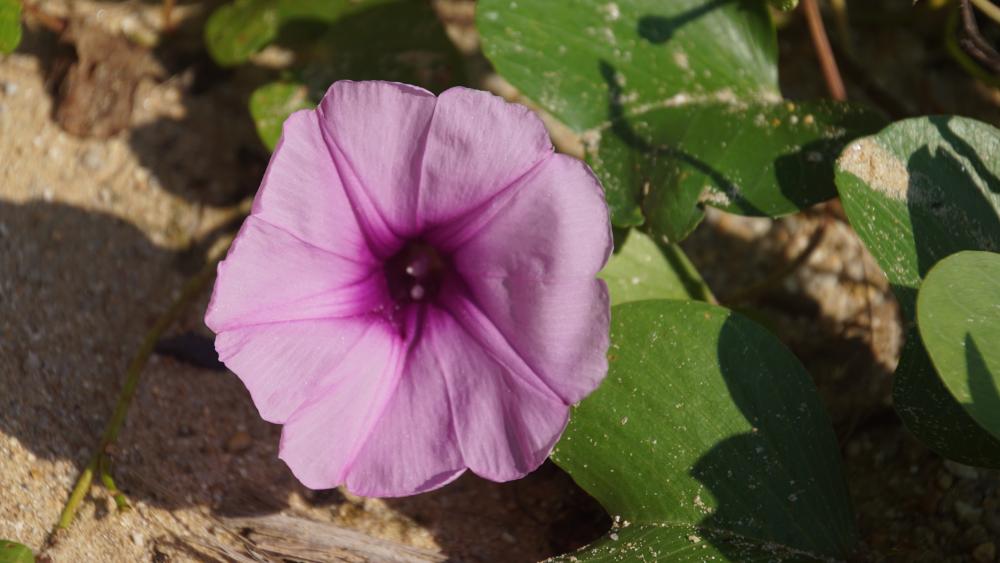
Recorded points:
398,40
237,30
10,25
958,313
643,269
918,191
13,552
674,116
271,104
707,439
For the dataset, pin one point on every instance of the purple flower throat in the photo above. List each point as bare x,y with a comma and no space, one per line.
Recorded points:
416,273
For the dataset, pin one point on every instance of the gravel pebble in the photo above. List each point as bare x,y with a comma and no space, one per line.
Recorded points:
239,442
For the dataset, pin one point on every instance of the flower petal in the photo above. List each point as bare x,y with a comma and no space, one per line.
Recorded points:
413,448
376,133
554,224
530,271
283,365
477,145
322,438
271,276
505,427
302,192
558,329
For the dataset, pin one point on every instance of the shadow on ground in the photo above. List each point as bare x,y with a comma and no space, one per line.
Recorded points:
80,290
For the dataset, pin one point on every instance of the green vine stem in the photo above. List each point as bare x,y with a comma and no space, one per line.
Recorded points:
988,8
100,462
104,468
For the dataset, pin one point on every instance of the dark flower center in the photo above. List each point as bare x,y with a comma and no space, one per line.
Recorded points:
415,273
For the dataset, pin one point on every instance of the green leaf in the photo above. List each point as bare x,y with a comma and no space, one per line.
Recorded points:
13,552
931,412
241,28
398,40
958,313
763,159
643,269
271,104
10,25
921,190
918,191
673,117
707,439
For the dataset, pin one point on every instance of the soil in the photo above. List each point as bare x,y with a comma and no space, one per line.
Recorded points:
98,234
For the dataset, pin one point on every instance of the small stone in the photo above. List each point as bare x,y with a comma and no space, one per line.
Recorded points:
507,537
92,159
9,88
138,539
961,471
985,552
239,442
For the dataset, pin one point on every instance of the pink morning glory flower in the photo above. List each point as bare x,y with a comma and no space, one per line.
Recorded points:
414,292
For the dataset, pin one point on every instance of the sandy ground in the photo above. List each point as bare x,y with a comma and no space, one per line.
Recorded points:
94,243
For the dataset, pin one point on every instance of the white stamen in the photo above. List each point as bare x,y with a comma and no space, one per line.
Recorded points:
418,267
417,292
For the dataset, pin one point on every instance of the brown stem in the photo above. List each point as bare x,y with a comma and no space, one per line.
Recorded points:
827,62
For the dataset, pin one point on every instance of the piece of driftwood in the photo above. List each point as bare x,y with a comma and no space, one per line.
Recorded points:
299,539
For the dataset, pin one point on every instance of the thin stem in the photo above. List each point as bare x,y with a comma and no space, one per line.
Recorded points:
98,462
76,497
191,290
104,469
827,62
